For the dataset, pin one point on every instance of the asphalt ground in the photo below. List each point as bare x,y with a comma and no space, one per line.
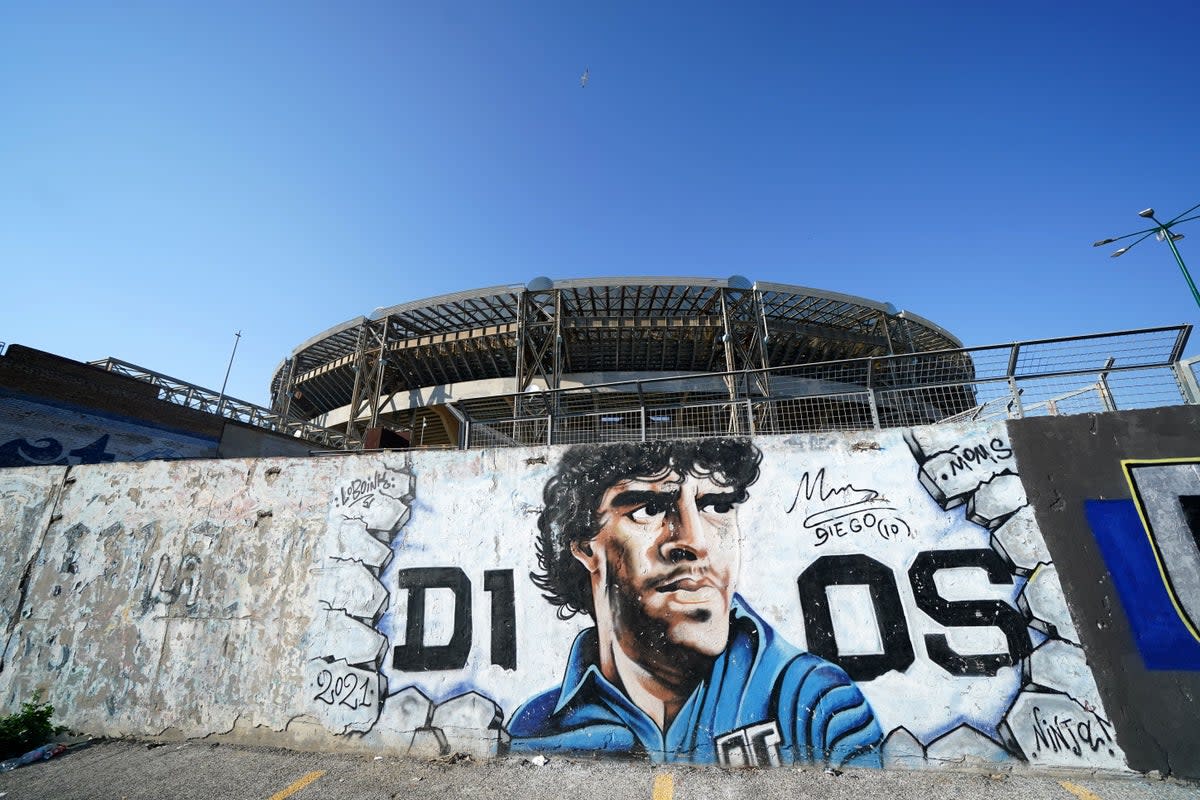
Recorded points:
199,769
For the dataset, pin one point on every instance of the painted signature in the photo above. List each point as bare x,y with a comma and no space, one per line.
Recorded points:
843,510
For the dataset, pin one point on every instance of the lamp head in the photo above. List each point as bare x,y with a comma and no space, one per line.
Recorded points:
1120,252
1148,213
1103,242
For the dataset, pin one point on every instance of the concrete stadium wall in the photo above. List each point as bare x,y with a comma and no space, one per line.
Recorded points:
896,604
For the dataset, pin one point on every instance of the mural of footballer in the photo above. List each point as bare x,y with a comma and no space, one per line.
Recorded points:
644,538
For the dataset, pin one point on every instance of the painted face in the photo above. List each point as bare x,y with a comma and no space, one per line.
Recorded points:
665,563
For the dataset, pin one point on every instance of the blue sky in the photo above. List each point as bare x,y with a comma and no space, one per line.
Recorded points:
174,172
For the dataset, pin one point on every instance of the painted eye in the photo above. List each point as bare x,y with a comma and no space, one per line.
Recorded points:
716,505
651,512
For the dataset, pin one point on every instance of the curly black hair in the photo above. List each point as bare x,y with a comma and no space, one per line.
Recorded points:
572,498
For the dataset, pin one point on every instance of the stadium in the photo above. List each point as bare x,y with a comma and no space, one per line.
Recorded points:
604,359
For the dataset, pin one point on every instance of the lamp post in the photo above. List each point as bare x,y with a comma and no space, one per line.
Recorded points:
1163,232
237,337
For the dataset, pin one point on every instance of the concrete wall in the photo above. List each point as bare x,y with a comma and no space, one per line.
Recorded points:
239,440
57,411
894,603
37,431
1116,497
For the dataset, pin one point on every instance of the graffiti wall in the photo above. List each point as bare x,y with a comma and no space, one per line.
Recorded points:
840,600
738,602
37,432
1127,531
1151,547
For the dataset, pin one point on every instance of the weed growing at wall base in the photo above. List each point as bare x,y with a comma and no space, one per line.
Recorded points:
27,728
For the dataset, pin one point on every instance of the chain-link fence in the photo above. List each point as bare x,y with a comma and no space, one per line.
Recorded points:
1073,375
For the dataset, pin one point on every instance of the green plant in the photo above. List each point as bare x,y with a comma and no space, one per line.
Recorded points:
27,728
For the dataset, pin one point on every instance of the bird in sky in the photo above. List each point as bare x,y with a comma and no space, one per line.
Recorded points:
583,79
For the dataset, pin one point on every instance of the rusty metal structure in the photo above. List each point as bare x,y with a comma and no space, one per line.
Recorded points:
413,367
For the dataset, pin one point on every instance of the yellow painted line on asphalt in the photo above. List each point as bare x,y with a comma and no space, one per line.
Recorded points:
298,785
664,787
1078,791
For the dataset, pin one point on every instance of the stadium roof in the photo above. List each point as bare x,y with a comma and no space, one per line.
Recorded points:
602,325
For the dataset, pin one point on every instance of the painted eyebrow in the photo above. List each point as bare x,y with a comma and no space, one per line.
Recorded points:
721,498
641,497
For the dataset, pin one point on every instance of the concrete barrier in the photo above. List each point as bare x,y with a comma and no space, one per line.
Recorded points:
875,599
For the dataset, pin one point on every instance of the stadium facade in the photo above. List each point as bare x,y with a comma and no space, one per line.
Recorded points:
415,367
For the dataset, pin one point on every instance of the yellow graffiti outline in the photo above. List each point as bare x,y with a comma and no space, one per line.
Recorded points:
1126,463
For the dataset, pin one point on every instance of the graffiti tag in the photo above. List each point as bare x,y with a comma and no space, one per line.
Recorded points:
349,690
168,585
1063,734
965,459
45,451
363,490
844,510
348,697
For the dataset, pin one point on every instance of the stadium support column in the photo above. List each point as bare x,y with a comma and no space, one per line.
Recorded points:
369,368
883,324
539,351
284,392
745,343
892,374
540,338
899,336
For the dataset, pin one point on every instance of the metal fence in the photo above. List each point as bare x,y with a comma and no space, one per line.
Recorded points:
1070,375
1189,379
189,395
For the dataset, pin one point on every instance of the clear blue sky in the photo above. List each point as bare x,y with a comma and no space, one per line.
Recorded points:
173,172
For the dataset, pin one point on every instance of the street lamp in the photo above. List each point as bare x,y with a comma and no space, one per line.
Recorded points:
1162,231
